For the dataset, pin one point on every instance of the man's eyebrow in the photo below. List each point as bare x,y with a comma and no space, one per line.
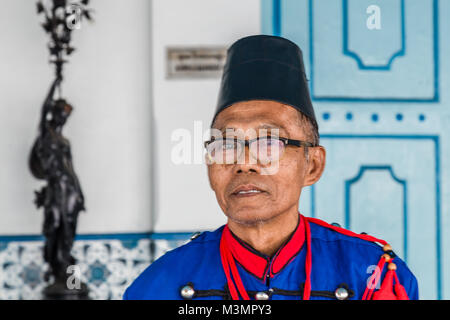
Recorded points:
266,126
227,128
269,127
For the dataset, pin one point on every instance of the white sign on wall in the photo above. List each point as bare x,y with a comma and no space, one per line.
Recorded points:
200,62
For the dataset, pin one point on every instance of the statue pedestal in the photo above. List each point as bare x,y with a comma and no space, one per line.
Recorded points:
59,291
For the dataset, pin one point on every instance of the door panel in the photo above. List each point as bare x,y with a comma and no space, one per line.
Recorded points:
385,186
370,88
377,60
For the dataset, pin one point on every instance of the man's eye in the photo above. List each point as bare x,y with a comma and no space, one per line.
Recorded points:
269,141
228,146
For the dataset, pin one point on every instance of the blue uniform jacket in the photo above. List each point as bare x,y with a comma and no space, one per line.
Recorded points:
338,260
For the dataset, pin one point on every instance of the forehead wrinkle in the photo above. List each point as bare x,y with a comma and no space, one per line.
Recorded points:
233,119
261,126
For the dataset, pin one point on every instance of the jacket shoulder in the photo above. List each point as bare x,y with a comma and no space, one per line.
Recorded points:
361,251
167,273
322,231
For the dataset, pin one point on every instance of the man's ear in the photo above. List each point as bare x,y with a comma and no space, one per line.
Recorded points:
316,165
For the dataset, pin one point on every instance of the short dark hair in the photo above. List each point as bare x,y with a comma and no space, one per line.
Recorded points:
311,130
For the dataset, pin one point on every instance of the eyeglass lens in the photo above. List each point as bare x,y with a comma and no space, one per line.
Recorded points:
228,151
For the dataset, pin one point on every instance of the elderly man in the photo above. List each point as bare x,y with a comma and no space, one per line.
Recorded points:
263,151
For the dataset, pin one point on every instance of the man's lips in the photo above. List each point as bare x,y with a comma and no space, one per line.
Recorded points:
247,190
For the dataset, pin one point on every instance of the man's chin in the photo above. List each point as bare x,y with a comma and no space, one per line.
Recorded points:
250,217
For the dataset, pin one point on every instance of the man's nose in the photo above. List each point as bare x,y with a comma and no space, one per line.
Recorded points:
246,163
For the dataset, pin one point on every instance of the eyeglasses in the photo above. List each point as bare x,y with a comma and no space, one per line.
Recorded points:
264,149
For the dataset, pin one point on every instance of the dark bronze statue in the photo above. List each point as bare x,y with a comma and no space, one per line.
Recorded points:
62,197
51,160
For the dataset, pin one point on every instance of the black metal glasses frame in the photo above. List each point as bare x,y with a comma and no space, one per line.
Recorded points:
286,141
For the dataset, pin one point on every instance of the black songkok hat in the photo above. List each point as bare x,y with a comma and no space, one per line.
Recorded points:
262,67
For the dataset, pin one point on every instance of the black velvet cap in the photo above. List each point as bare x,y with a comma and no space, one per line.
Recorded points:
263,67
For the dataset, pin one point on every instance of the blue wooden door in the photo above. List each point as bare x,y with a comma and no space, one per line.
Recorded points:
373,67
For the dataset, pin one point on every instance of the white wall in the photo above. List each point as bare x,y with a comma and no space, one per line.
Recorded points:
108,82
114,79
184,200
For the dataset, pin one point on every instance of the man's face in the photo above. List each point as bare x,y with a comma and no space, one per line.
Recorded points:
275,193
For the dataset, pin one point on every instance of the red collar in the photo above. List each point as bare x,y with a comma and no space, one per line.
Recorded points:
260,265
